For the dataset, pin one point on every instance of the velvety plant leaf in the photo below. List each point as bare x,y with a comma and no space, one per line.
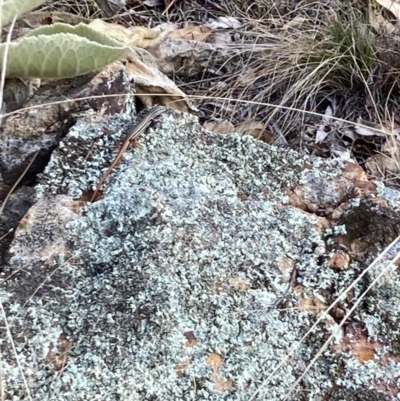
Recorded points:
81,30
60,55
12,8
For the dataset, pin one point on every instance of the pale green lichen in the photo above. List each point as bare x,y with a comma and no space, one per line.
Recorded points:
181,218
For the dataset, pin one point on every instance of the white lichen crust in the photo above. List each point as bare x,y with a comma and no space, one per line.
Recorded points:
186,239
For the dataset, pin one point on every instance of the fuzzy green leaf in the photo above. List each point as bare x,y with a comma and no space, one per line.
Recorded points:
61,55
82,30
12,8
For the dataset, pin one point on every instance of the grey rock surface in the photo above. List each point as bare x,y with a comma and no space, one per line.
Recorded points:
165,288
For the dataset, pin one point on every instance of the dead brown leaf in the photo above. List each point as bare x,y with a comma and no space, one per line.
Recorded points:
135,36
313,305
220,127
246,77
191,339
111,7
59,358
381,165
215,361
181,366
222,384
379,23
339,260
35,19
256,129
392,6
296,22
152,86
199,33
357,343
285,265
224,23
239,283
366,128
188,57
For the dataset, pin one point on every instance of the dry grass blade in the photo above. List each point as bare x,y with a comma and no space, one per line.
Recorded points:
391,266
83,8
1,379
325,59
48,278
301,56
259,104
18,181
9,335
3,76
325,313
292,59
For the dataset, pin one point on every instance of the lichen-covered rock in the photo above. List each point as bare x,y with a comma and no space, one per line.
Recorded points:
50,111
174,285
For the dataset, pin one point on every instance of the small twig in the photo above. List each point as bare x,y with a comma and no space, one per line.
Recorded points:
17,182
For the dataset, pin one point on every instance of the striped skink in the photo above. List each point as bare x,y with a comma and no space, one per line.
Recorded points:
134,133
